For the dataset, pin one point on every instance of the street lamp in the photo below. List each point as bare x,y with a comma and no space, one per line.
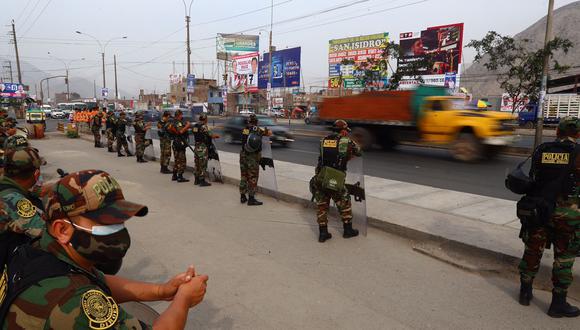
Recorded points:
103,48
66,66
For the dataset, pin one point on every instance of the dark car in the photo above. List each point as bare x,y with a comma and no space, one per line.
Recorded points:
233,130
150,115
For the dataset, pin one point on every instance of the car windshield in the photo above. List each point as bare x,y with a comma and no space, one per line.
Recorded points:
265,121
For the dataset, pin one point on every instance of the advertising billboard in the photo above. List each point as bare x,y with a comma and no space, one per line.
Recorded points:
357,49
230,45
442,45
244,77
285,69
190,83
12,90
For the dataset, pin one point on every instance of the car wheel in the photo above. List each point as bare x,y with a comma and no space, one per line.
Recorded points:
307,121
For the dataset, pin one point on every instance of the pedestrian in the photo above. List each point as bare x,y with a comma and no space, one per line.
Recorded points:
164,142
203,141
250,156
555,171
179,130
67,280
111,129
336,150
96,126
21,211
120,129
140,142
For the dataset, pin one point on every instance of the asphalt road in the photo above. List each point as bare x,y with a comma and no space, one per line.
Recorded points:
425,166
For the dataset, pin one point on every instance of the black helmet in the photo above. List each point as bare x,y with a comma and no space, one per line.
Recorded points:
202,117
340,125
253,119
254,143
518,182
166,113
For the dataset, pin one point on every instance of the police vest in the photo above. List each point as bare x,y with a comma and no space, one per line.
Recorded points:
334,152
30,265
201,136
554,170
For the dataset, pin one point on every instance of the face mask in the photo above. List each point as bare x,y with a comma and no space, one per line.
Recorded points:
105,246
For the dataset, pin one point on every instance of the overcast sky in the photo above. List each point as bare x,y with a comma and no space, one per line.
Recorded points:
155,31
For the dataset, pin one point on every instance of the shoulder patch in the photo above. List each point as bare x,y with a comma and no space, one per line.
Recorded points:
25,208
102,311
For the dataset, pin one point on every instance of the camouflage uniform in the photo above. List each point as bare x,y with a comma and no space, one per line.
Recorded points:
96,126
203,137
179,146
79,299
140,142
111,124
347,149
121,127
250,162
563,232
165,142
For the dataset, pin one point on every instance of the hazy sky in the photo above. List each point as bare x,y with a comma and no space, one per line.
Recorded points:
155,31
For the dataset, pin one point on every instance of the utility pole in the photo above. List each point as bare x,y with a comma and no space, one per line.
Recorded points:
67,86
16,49
116,89
544,88
187,19
271,85
95,89
104,80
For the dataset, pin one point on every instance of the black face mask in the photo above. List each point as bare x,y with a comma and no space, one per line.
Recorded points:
106,252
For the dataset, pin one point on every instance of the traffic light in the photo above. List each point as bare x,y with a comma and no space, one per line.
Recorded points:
66,80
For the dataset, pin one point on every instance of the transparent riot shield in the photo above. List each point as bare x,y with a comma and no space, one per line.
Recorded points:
214,169
355,183
104,140
267,179
130,136
150,150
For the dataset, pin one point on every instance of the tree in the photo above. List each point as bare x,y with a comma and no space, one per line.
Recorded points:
371,71
519,67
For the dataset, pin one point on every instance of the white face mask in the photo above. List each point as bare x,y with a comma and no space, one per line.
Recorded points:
101,230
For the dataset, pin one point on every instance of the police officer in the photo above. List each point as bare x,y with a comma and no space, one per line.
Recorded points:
336,150
96,126
80,250
203,141
111,129
164,141
179,130
120,129
140,142
555,171
20,211
250,156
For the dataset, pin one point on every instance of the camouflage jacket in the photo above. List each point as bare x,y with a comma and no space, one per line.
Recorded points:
162,129
18,212
67,302
139,126
121,127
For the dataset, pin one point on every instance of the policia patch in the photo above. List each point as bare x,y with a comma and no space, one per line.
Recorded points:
25,208
102,311
556,158
3,285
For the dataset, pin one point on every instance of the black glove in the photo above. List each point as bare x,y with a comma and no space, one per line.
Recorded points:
129,139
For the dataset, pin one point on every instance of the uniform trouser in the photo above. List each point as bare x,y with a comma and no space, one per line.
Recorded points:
165,151
563,234
180,160
122,143
110,138
97,136
342,200
201,160
250,172
140,144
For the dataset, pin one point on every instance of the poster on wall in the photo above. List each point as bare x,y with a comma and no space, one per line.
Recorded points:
286,68
12,90
244,78
230,45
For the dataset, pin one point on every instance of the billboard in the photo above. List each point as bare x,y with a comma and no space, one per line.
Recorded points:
190,83
12,90
443,45
285,69
229,45
244,77
358,49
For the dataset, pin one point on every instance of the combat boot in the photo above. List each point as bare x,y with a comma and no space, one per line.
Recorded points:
110,149
174,177
119,154
181,179
196,182
243,199
203,183
561,308
526,294
99,145
348,231
252,201
129,154
165,170
324,234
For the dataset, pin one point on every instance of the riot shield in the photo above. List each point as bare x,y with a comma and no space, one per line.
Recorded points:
355,183
130,136
214,169
267,179
150,150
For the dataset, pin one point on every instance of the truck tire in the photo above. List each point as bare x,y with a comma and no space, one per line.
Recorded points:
363,137
467,148
529,125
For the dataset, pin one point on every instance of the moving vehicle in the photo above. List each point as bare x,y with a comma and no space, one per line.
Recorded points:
233,130
150,115
556,106
47,110
57,114
427,115
36,116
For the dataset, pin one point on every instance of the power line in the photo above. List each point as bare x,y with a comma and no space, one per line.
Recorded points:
37,17
30,13
23,10
242,14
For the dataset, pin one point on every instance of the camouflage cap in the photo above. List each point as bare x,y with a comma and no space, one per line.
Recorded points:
20,160
569,124
94,194
15,142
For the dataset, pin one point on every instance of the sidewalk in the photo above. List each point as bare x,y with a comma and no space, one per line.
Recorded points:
471,222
